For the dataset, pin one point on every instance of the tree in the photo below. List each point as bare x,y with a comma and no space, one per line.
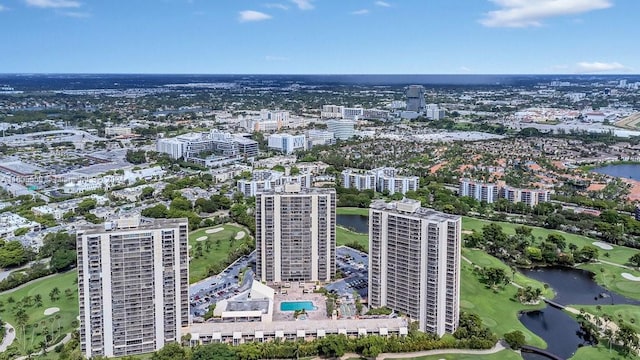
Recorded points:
136,156
62,260
180,203
157,212
147,193
332,345
85,206
12,254
627,336
557,239
515,339
214,352
53,294
635,260
494,276
172,351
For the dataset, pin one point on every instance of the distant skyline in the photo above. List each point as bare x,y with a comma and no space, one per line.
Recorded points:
320,36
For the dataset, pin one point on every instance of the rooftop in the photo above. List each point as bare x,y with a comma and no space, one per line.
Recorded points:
413,207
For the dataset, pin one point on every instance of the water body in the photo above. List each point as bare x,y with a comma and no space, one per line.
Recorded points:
629,171
357,223
557,328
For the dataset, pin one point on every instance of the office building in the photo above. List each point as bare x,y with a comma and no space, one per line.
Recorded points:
133,281
296,234
414,263
415,98
319,137
478,190
193,145
331,112
341,129
287,143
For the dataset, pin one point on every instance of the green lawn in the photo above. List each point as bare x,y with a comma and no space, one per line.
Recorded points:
481,258
612,279
220,244
497,310
630,314
345,236
352,211
502,355
600,352
57,325
619,254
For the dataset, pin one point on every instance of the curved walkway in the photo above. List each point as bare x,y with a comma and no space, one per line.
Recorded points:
9,336
51,348
614,264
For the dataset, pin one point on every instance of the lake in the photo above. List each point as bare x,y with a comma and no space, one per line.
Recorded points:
557,328
357,223
629,171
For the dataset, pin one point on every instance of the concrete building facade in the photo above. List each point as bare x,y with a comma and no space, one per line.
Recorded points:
133,280
296,234
478,190
414,263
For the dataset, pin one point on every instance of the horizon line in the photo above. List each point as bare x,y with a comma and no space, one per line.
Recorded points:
322,74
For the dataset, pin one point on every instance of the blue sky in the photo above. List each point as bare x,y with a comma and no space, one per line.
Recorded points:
320,36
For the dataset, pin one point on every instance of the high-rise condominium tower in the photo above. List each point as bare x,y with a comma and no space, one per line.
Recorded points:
296,234
133,279
414,263
415,98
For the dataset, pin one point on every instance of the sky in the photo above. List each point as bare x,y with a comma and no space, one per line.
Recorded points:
320,36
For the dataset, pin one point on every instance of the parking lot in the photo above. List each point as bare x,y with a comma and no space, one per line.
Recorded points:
354,265
222,286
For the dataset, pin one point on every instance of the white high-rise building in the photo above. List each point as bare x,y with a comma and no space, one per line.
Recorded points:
296,234
287,143
479,190
341,129
414,263
133,280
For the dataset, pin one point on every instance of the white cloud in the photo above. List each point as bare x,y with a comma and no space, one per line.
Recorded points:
55,4
382,4
277,6
360,12
465,69
524,13
76,14
276,58
251,15
596,66
303,4
3,8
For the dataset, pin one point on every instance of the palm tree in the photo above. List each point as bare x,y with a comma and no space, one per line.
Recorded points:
58,317
38,300
33,329
22,318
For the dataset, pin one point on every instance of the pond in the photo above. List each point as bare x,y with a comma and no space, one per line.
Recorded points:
357,223
572,286
629,171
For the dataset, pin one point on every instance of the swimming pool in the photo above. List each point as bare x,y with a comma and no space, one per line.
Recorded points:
297,305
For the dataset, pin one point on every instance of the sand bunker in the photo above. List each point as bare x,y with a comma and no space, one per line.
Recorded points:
213,231
51,310
202,238
469,232
630,277
239,235
603,246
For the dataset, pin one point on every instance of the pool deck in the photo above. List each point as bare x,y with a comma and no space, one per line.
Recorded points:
295,293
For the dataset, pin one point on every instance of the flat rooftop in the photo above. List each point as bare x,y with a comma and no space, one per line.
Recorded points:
248,305
413,208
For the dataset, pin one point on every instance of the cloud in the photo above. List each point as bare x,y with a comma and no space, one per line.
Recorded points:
276,58
360,12
53,4
594,67
524,13
277,6
465,69
3,8
75,14
303,4
382,4
251,15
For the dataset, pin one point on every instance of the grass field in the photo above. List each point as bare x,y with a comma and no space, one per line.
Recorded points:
612,279
630,314
345,236
56,325
352,211
497,309
220,244
502,355
601,352
619,254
